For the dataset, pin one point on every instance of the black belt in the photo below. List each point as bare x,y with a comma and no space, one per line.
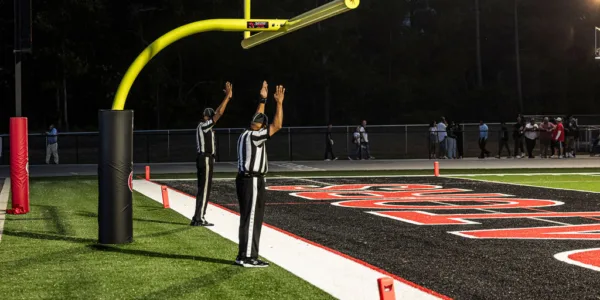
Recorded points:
250,175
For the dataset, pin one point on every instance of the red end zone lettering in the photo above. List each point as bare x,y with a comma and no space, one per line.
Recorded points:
369,194
355,187
489,203
587,258
426,218
570,232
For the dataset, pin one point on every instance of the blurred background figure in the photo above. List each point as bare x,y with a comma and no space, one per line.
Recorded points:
329,144
52,144
545,131
433,139
531,135
571,135
518,137
451,143
503,140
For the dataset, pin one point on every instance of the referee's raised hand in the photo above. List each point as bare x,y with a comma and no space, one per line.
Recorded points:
228,90
279,94
264,91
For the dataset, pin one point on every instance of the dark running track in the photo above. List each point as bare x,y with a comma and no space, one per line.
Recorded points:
452,265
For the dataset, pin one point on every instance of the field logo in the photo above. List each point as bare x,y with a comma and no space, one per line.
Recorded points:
412,203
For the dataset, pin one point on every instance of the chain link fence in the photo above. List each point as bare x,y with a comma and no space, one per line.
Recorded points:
289,144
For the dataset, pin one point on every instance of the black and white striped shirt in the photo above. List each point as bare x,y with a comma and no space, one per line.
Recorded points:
252,152
205,138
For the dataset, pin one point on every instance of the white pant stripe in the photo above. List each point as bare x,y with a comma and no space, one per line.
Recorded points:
206,165
252,210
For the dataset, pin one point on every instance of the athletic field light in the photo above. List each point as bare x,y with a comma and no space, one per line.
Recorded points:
115,166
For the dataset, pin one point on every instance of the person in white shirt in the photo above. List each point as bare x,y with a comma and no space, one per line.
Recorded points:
531,135
441,131
433,139
356,142
364,140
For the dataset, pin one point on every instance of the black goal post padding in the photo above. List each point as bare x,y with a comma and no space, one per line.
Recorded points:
115,175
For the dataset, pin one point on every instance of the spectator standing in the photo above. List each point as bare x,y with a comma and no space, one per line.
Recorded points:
545,130
433,139
356,142
572,135
451,136
530,136
364,139
558,137
518,130
329,144
483,137
459,140
503,140
441,131
52,144
595,149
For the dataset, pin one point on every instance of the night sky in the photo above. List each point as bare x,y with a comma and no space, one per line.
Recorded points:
389,61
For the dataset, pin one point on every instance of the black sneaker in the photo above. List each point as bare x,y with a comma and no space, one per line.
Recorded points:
201,223
251,263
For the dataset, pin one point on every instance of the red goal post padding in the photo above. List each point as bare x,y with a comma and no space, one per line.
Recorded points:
19,166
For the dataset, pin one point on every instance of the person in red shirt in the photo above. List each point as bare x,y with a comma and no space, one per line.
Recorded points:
558,137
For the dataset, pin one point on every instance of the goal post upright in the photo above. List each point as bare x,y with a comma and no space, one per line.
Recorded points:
115,159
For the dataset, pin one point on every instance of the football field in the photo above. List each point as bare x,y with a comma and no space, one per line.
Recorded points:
497,235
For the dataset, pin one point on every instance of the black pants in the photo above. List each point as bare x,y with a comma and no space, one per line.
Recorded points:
503,144
329,150
519,146
482,143
204,167
530,146
251,198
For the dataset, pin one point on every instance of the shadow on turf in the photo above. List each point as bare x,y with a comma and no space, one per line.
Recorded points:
95,215
192,285
49,237
92,244
53,213
107,248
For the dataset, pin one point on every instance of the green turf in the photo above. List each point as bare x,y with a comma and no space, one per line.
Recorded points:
51,253
575,182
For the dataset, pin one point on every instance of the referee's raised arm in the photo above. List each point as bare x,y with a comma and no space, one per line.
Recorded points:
278,120
228,95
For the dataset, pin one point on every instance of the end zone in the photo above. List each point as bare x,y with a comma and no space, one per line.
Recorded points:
342,276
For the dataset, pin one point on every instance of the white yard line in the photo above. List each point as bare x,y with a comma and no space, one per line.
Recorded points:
4,204
341,276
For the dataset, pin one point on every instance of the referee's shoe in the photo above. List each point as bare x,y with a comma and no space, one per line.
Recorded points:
251,263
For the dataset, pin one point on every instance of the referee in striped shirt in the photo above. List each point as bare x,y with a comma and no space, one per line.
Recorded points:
250,181
205,158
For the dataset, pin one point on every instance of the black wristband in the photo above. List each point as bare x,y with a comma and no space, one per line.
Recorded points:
263,100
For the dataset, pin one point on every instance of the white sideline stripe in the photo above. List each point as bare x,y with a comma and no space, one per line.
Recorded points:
4,204
334,274
564,257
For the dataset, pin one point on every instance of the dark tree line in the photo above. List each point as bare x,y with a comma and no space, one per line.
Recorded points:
389,61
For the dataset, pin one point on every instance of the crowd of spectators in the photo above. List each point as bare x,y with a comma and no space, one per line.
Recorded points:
557,139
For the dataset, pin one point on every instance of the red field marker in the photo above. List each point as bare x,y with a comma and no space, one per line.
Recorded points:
386,288
436,169
147,172
165,196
